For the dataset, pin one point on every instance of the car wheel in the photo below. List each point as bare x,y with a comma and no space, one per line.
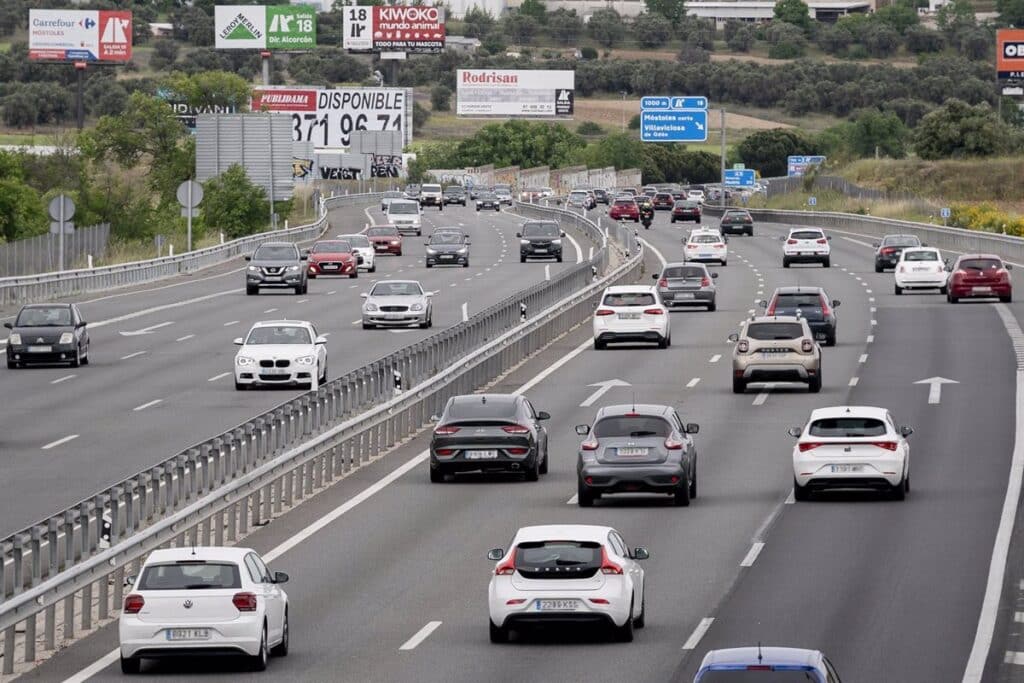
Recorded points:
641,620
599,345
739,385
624,633
372,269
281,649
466,264
298,289
11,365
584,496
77,360
400,251
429,265
663,342
130,665
693,480
950,298
436,475
533,474
1006,299
424,325
323,375
240,387
559,258
898,492
826,262
499,634
85,358
750,232
724,264
814,384
682,495
712,306
259,661
943,290
906,482
878,267
251,290
785,262
478,209
368,326
311,276
801,493
673,219
543,469
897,290
522,259
355,274
698,221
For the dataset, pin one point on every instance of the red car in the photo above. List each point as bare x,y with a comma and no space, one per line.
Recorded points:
686,210
979,276
623,209
663,200
333,257
385,239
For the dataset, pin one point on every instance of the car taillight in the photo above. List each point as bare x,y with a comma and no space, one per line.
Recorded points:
807,446
825,310
663,283
244,602
607,566
508,567
605,311
1003,274
822,241
705,281
673,445
515,429
133,604
888,250
743,346
518,451
589,445
445,451
806,346
446,429
691,246
790,241
654,311
887,445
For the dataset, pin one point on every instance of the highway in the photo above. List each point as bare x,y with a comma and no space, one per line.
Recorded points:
890,591
161,361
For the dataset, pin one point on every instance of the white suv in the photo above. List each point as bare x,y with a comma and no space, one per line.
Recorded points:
430,195
806,245
696,196
632,313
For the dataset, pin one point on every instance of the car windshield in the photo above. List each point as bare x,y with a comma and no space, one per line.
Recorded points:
541,230
633,427
629,299
332,247
382,232
847,427
770,331
684,272
190,575
920,256
403,208
486,195
358,241
276,253
49,316
278,334
901,241
446,238
396,289
431,188
455,189
798,301
805,235
759,676
979,264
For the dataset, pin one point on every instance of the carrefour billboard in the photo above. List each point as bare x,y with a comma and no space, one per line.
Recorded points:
79,35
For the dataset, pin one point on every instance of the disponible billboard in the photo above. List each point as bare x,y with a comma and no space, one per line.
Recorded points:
506,92
80,35
394,28
328,117
259,27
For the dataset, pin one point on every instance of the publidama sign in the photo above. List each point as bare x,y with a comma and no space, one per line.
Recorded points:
394,28
80,35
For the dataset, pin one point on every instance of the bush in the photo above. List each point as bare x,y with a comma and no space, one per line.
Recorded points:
441,98
651,30
420,114
987,218
742,39
693,54
587,52
786,51
233,205
634,122
589,128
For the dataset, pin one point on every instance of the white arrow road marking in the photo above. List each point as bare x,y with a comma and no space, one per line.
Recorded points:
603,388
145,330
935,387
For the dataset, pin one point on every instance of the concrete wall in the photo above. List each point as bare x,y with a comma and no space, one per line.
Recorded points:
508,175
535,177
561,180
601,177
631,177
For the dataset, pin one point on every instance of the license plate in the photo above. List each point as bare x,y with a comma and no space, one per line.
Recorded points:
920,270
481,455
188,634
845,469
981,290
629,316
631,452
557,605
273,278
380,247
684,295
40,349
275,371
394,316
541,251
447,255
820,336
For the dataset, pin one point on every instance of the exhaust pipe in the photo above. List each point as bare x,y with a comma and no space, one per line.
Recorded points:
515,467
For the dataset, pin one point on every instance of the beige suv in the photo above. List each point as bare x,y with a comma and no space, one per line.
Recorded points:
775,348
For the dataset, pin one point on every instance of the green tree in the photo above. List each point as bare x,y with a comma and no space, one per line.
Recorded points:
494,42
651,30
900,15
232,204
211,89
605,27
441,98
21,207
693,54
954,17
742,39
883,41
1011,12
872,131
921,39
958,129
420,114
564,26
672,10
794,12
520,28
536,9
519,143
785,40
478,22
589,128
767,150
834,39
165,52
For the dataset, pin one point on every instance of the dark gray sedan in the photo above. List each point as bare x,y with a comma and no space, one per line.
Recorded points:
447,247
687,284
48,333
637,448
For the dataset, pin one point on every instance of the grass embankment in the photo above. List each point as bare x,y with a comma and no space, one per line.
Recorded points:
828,200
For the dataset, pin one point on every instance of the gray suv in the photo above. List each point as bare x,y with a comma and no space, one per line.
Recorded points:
276,264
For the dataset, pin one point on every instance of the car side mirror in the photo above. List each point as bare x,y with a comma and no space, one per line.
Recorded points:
495,554
321,340
435,418
641,554
829,238
683,240
280,577
655,276
924,244
238,341
429,293
836,303
692,428
795,432
714,276
303,257
304,252
906,431
81,323
519,234
426,244
876,245
543,415
468,243
734,337
763,303
782,239
1007,266
364,295
561,233
9,326
582,430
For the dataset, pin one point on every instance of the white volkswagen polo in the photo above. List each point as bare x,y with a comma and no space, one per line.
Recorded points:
282,353
632,313
204,601
847,447
567,574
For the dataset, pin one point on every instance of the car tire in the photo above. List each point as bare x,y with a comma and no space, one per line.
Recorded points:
11,365
693,481
429,265
584,497
898,492
801,493
424,325
897,290
499,634
368,326
298,289
624,633
739,385
85,358
944,290
77,360
466,264
712,306
641,621
259,660
698,221
600,345
131,665
522,259
826,262
478,209
354,274
750,232
663,342
250,291
311,276
673,219
681,498
878,267
830,340
240,387
785,262
814,384
543,468
281,649
724,264
1006,299
558,258
436,475
533,474
372,269
951,299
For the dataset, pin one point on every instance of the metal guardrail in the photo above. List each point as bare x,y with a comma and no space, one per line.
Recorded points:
252,472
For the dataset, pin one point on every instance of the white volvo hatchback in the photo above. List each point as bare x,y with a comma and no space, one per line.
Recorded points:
282,353
632,313
851,447
204,601
567,574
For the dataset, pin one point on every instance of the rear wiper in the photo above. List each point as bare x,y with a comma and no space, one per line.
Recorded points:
637,435
194,586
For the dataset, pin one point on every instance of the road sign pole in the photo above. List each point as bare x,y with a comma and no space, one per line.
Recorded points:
189,245
80,103
60,240
265,57
721,175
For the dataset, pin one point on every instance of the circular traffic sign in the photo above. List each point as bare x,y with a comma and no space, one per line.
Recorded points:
55,207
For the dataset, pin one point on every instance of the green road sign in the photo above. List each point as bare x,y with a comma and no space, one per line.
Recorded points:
291,27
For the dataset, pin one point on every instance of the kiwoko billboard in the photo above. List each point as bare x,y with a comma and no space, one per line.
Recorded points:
505,92
393,28
80,35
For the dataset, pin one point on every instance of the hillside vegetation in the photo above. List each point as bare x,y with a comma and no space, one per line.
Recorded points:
965,180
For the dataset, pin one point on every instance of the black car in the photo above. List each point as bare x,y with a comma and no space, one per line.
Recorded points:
447,247
278,265
602,196
737,221
540,239
810,303
455,194
488,200
48,333
489,433
888,251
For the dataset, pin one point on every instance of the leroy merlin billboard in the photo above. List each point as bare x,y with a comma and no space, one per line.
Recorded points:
261,27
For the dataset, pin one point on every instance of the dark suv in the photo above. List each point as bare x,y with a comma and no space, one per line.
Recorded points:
540,239
278,265
810,303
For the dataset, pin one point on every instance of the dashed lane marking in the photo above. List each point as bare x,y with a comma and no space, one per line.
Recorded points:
853,381
420,636
698,633
133,355
65,378
752,554
715,358
147,405
692,383
185,338
60,442
863,358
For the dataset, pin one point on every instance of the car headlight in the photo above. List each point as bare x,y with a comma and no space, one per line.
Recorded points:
431,252
253,269
66,338
416,307
558,241
292,269
305,360
15,338
463,250
524,242
370,307
244,361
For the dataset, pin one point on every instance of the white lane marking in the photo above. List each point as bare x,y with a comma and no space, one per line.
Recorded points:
65,378
217,377
870,339
863,358
356,322
354,286
692,383
333,291
185,338
455,284
694,640
752,554
147,405
576,246
871,299
302,301
853,381
791,498
1018,617
1001,547
58,442
863,244
874,309
467,279
760,399
1014,657
232,322
715,358
145,330
420,636
133,355
874,322
760,292
574,500
868,291
654,250
270,310
465,311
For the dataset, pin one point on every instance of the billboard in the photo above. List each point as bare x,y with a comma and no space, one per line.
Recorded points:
1010,55
393,28
802,165
506,92
80,35
329,117
259,27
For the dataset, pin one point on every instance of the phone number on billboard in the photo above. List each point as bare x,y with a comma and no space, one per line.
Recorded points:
333,130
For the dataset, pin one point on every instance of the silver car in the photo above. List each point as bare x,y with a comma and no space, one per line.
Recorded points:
388,196
687,284
399,303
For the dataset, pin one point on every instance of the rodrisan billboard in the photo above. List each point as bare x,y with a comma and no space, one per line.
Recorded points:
79,35
506,92
393,28
261,27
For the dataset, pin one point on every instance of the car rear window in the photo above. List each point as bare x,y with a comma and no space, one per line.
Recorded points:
705,239
663,195
630,426
477,409
901,241
541,230
558,559
920,256
847,427
739,215
190,576
798,301
685,204
806,235
759,676
624,202
684,272
770,331
979,264
629,299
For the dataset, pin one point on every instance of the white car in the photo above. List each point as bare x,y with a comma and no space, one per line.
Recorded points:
406,215
281,352
806,245
851,447
397,302
361,245
706,245
567,574
696,196
198,601
632,313
920,268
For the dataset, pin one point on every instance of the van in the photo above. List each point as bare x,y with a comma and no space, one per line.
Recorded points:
404,214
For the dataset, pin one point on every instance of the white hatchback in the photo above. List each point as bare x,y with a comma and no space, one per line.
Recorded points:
696,196
567,574
920,268
282,353
806,245
361,245
204,601
705,245
851,447
632,313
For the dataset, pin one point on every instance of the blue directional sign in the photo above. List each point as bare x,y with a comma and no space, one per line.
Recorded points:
945,212
672,103
738,177
674,126
800,165
812,201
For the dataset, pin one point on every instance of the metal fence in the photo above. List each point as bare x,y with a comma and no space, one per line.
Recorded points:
41,254
215,491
